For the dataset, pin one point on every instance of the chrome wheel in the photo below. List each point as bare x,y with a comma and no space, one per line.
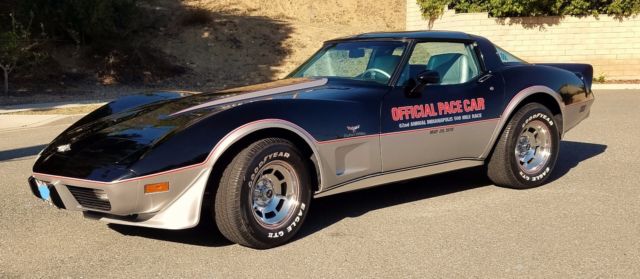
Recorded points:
533,148
275,193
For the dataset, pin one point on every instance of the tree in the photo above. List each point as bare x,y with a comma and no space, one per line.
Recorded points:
16,49
85,21
432,9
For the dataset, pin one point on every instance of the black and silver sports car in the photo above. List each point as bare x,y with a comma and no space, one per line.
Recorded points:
363,111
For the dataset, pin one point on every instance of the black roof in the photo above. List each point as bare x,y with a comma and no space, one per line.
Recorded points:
410,35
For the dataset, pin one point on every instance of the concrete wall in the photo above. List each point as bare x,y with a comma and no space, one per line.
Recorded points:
610,45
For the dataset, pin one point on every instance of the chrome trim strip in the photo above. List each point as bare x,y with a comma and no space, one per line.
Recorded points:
257,94
395,176
510,109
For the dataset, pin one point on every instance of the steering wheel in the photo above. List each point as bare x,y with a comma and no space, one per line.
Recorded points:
372,72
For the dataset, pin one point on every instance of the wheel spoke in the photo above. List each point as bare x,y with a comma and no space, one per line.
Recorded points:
533,146
272,206
277,195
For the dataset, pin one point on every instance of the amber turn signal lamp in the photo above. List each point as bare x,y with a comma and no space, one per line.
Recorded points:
156,187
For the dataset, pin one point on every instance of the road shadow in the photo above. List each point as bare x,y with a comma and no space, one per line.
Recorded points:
201,235
11,154
330,210
572,153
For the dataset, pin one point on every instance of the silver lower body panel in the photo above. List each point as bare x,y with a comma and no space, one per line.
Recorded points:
399,175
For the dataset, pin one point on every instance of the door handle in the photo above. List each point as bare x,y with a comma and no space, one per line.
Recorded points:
484,78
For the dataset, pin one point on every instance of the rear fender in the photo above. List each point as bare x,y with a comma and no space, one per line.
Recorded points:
514,104
583,71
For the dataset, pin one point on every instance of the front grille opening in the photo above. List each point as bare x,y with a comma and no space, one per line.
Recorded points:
90,198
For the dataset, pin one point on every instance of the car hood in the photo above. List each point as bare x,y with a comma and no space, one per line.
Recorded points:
105,143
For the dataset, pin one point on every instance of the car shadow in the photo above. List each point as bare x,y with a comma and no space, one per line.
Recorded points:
572,153
330,210
11,154
201,235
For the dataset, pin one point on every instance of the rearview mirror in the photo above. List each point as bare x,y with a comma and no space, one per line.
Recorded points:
424,78
356,53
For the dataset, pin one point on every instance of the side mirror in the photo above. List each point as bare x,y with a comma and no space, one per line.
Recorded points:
424,78
428,77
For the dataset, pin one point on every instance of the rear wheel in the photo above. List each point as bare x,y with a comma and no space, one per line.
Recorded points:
264,194
527,150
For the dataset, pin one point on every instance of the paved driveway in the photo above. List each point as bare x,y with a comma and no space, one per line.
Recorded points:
585,223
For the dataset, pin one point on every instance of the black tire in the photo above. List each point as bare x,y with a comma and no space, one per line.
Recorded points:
240,190
505,168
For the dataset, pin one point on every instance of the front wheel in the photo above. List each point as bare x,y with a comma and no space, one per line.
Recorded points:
527,150
264,194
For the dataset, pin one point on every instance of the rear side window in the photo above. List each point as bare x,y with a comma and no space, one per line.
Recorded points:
455,62
507,57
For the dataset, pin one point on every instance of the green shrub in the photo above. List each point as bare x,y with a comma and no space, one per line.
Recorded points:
508,8
600,79
432,9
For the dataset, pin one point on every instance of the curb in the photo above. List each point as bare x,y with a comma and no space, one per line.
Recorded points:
615,86
12,123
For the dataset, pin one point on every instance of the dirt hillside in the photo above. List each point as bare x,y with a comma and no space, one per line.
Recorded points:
256,40
204,45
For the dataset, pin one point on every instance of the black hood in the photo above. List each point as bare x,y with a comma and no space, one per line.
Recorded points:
104,144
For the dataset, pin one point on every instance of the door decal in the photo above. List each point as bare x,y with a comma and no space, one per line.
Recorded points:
438,113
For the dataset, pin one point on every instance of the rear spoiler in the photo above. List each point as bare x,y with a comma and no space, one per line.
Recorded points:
584,71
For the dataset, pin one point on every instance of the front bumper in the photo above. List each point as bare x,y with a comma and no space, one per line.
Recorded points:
124,202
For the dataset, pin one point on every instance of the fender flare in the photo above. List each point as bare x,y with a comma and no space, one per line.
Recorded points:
509,110
239,133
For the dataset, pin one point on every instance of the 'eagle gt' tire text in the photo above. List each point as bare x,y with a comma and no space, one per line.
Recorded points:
264,194
526,152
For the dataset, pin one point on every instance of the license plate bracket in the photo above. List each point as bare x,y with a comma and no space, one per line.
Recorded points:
46,192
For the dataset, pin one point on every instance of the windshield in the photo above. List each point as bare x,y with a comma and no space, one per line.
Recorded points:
368,61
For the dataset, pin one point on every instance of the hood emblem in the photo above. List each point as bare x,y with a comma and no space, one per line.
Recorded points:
353,129
64,148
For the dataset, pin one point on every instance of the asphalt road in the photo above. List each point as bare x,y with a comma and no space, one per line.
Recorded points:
585,223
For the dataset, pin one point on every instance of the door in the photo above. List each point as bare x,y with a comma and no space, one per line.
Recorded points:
453,119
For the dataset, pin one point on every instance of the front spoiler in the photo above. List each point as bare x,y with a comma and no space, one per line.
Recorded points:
183,213
177,209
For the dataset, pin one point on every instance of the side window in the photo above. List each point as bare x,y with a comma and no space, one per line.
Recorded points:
455,62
